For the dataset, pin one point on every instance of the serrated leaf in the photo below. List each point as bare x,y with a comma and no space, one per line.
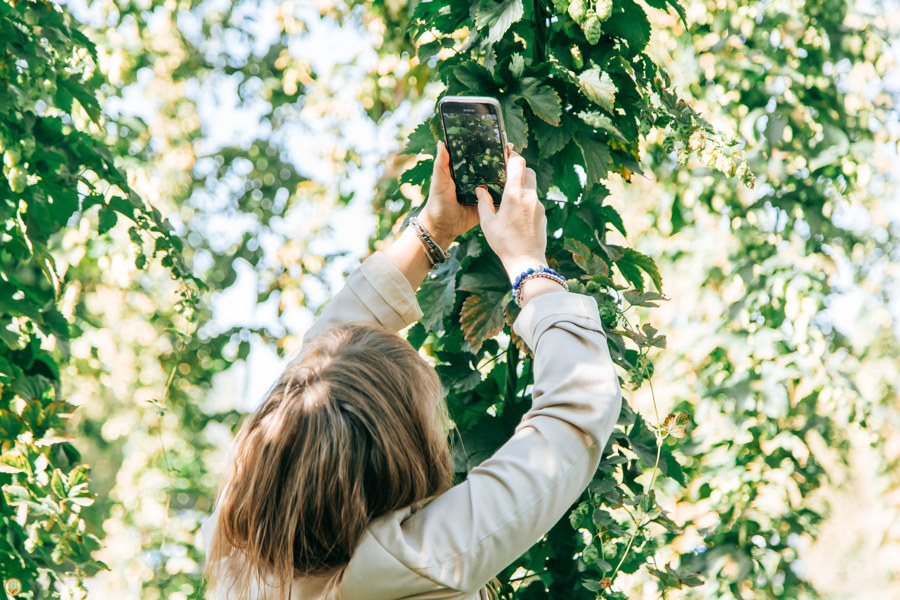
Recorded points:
12,463
484,274
589,262
646,299
497,17
676,424
107,219
421,140
596,160
630,25
543,100
474,76
600,121
33,414
632,258
516,127
437,295
482,317
598,87
550,139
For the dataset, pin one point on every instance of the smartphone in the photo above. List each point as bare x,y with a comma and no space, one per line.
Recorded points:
476,141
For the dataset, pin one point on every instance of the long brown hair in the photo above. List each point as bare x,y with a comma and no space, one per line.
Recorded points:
351,431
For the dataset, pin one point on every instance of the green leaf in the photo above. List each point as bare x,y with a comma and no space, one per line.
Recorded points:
600,121
497,17
597,161
516,127
108,218
416,335
475,77
484,274
542,99
647,299
421,140
58,484
632,258
598,87
516,65
437,294
630,25
550,139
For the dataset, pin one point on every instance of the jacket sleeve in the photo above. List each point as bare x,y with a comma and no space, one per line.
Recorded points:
375,292
467,535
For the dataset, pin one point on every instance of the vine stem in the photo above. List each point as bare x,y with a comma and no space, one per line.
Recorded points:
659,442
162,444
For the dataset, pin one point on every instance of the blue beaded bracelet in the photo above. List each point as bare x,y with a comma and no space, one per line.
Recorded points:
532,272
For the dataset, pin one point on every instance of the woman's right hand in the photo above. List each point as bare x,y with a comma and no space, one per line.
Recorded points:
517,231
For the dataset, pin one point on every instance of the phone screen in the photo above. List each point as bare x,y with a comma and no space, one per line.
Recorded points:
473,137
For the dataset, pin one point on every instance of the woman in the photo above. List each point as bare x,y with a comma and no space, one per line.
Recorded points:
340,486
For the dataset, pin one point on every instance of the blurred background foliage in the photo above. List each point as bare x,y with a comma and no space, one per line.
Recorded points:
263,133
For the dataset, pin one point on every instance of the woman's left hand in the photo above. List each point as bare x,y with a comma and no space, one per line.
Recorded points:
442,215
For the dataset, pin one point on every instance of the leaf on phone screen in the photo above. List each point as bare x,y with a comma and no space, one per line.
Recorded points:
542,99
497,17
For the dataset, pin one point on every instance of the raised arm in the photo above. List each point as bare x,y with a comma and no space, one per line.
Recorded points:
382,289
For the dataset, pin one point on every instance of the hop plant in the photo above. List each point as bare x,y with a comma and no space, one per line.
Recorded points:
603,9
578,11
592,28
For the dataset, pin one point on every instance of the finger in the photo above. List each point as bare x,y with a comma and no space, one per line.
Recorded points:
440,176
515,170
530,179
486,210
441,157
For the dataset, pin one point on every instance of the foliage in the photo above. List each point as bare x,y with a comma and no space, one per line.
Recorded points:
780,379
710,486
55,172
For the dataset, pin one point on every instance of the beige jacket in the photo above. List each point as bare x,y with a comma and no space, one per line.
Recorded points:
455,544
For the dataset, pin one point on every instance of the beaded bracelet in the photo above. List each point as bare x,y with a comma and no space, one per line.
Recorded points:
532,272
433,252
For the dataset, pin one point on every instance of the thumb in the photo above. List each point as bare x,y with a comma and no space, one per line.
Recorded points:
486,210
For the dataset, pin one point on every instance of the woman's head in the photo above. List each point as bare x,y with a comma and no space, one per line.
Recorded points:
351,431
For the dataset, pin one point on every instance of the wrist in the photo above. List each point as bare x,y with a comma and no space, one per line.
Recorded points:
538,286
441,236
516,266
